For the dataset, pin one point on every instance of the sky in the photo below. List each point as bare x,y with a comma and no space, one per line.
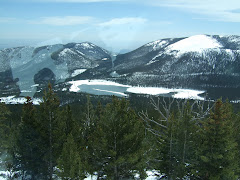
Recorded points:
116,25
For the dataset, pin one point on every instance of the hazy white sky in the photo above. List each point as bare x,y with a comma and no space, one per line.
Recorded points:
113,24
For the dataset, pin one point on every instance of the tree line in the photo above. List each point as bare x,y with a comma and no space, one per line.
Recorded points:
179,138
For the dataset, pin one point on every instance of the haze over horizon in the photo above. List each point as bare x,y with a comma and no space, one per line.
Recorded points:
113,24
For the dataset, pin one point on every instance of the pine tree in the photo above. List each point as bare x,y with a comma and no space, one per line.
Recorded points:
5,127
51,129
7,141
236,130
172,133
87,129
29,157
70,123
69,162
172,151
185,134
94,144
217,148
165,159
120,135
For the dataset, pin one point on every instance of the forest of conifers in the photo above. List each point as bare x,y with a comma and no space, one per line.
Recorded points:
180,138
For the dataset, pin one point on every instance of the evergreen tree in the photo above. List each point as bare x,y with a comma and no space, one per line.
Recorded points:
164,154
93,143
29,157
5,127
89,120
7,141
185,135
217,146
51,129
87,129
70,123
69,162
64,125
236,130
84,142
118,148
172,135
173,148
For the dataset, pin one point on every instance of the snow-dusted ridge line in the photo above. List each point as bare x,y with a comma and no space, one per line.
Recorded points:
87,45
157,44
66,51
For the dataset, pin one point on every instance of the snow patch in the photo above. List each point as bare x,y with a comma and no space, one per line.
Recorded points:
230,53
234,39
19,100
188,94
114,74
157,44
81,53
87,45
65,51
91,177
4,175
154,59
235,101
153,175
77,72
35,85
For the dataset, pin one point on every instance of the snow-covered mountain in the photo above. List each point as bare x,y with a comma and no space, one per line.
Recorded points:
23,68
197,62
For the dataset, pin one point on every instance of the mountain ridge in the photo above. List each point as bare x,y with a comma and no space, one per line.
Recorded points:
199,61
166,63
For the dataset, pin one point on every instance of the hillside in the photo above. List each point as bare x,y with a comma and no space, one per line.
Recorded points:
200,62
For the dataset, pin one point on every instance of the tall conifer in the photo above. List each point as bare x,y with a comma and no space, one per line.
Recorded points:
50,128
28,144
217,146
120,135
69,162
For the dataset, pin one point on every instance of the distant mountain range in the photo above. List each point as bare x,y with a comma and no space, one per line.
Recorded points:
199,62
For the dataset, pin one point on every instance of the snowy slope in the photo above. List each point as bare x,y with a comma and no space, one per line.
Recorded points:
196,61
20,65
192,62
155,45
197,43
